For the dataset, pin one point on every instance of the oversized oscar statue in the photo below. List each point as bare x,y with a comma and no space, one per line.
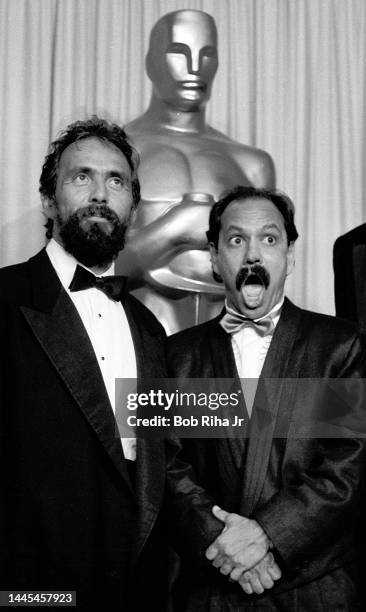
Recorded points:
185,164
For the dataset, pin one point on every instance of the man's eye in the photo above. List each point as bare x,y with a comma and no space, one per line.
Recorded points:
236,240
116,181
81,179
270,240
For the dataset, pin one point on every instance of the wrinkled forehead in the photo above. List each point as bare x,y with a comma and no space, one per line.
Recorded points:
252,214
92,152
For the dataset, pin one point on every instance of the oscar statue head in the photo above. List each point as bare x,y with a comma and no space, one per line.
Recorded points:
182,58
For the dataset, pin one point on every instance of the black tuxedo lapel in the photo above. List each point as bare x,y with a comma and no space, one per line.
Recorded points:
282,363
359,268
61,333
230,451
150,485
150,456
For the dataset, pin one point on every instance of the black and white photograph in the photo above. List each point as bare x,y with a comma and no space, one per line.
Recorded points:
183,248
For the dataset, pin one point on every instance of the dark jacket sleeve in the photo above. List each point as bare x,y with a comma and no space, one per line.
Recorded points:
321,477
192,525
344,284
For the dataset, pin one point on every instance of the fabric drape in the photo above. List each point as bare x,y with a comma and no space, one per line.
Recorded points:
291,80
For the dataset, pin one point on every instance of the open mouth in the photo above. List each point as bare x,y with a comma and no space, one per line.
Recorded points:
252,282
104,224
253,286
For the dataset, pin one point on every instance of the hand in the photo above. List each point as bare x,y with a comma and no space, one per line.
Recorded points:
262,576
181,228
186,224
242,543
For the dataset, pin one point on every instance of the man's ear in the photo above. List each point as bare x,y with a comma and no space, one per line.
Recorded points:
290,258
49,207
132,216
215,267
130,231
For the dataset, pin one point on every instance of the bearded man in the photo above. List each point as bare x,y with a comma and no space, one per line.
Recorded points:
80,508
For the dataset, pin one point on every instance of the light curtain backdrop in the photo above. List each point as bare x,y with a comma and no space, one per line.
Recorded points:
291,80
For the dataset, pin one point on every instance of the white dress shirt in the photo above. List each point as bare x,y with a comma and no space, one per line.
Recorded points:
106,324
250,350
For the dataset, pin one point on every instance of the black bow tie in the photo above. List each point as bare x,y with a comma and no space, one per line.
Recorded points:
113,286
233,321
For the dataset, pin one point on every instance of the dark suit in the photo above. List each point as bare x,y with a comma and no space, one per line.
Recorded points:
349,260
301,490
72,517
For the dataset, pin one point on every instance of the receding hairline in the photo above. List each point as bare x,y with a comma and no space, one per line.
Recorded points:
252,198
104,141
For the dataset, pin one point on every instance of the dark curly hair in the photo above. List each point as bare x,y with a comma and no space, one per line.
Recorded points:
93,127
281,201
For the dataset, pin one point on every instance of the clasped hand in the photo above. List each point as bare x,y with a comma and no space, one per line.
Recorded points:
241,551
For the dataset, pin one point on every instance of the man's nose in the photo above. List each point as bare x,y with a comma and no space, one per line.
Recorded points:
253,254
99,191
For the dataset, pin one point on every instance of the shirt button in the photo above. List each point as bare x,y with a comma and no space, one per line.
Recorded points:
102,358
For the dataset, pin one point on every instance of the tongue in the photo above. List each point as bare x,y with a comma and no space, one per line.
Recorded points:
103,223
252,291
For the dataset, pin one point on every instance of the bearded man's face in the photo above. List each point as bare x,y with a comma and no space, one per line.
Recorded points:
93,201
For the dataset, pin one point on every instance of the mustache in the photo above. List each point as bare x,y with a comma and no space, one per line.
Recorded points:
100,210
93,246
252,274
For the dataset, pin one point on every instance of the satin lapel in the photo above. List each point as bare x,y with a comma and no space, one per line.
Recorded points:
359,267
150,486
61,333
230,451
282,363
150,456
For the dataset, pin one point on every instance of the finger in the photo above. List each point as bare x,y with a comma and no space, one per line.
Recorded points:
222,515
275,572
265,579
212,551
255,583
246,586
219,560
237,573
272,567
226,568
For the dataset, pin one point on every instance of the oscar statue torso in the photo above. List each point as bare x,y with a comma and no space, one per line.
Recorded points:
185,166
181,174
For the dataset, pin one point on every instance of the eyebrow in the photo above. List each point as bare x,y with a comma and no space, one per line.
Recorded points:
271,226
264,228
89,170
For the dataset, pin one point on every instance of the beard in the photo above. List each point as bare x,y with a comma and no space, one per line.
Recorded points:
93,244
252,275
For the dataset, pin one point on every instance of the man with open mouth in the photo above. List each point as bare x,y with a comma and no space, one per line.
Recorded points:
288,482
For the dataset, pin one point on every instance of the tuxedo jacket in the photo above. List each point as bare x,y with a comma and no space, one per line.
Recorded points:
301,489
349,260
71,515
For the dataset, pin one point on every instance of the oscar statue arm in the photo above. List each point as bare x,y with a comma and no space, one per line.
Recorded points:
182,227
